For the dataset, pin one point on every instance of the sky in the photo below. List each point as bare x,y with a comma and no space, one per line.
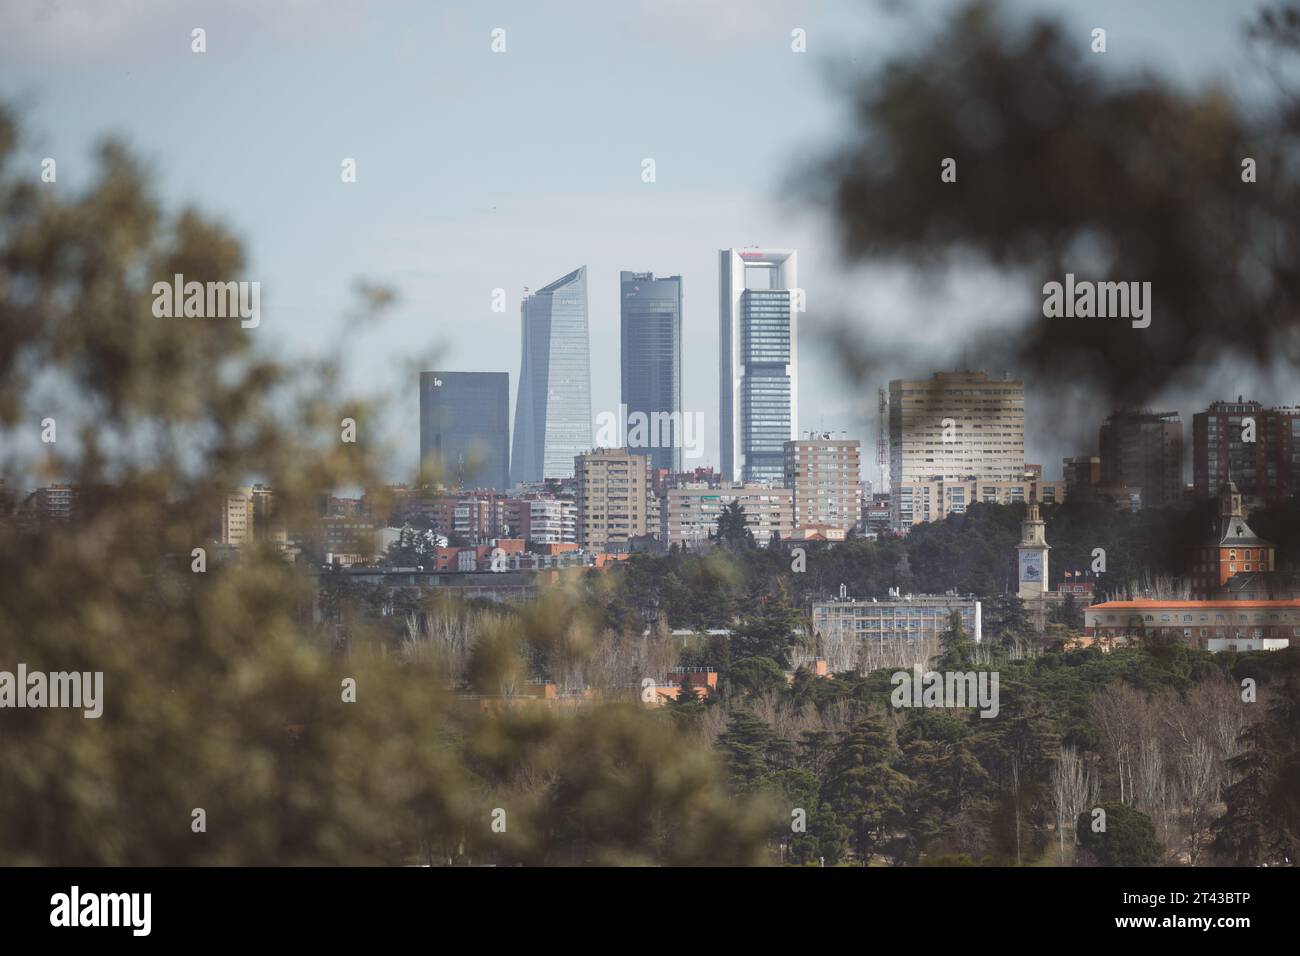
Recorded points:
479,170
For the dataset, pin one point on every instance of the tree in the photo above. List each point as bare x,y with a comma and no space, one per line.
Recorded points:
1005,619
1129,837
769,632
955,648
745,743
220,691
1261,819
1068,614
755,675
1074,789
866,794
1071,180
733,531
1017,749
947,780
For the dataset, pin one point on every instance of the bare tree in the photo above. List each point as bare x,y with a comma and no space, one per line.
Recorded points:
1074,790
1118,711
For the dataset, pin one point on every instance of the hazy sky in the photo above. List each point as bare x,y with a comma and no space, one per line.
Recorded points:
479,170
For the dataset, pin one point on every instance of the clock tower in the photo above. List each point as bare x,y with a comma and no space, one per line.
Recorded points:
1033,550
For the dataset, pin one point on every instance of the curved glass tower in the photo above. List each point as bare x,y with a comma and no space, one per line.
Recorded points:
553,407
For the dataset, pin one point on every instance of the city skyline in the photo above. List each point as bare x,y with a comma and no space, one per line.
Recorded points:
447,226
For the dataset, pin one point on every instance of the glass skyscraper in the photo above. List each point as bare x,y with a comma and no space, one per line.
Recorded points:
651,330
553,407
758,353
465,429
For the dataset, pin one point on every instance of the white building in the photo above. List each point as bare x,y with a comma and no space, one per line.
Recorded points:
758,307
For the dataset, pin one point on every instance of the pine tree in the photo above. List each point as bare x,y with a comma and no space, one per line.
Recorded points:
866,794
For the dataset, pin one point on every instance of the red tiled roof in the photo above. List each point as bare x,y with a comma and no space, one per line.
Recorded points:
1189,605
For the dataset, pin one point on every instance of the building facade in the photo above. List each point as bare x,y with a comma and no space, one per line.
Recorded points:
693,511
1144,450
920,617
1082,474
1258,448
916,502
650,322
612,498
553,407
824,474
1208,625
954,427
758,361
465,429
1234,549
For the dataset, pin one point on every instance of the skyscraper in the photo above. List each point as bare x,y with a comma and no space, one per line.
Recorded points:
553,407
651,329
1141,449
465,429
758,361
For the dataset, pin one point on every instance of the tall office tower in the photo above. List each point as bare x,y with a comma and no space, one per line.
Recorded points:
465,429
612,487
758,361
1252,445
651,322
956,425
553,407
825,474
1141,449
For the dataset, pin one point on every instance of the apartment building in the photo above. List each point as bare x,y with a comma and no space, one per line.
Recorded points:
917,502
613,487
823,473
693,511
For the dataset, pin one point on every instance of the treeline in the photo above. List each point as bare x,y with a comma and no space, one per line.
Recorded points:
1191,758
971,553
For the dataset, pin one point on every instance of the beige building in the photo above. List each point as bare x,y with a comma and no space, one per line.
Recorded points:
956,425
917,502
237,517
612,488
693,511
246,516
951,428
823,473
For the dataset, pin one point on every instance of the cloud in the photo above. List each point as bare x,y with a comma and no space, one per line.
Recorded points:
134,33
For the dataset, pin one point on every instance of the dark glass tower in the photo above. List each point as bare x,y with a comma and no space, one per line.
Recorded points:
465,429
651,324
